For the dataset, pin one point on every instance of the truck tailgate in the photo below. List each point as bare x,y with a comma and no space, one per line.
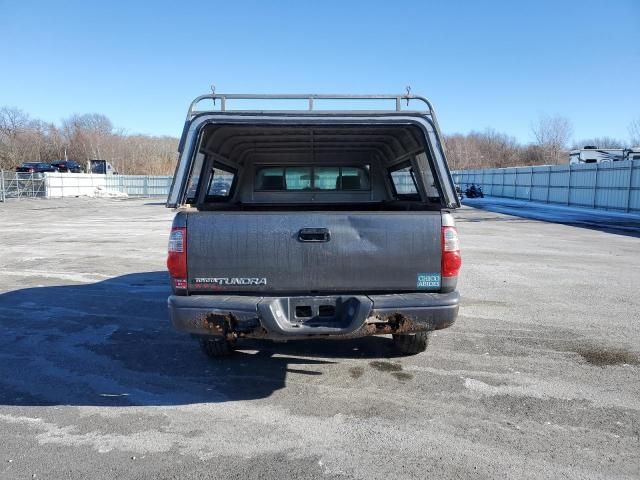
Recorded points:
291,252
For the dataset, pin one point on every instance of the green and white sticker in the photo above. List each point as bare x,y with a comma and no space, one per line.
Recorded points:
428,280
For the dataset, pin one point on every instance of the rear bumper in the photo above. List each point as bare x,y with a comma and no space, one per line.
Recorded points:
275,317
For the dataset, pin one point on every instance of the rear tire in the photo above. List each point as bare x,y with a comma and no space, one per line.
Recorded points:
411,343
216,347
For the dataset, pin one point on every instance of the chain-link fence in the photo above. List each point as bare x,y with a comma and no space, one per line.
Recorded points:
16,185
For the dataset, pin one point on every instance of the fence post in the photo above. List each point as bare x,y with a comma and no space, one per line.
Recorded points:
146,186
569,188
530,181
628,209
595,187
515,185
548,182
1,185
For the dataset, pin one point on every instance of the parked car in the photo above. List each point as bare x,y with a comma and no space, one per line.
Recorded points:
331,225
70,166
35,167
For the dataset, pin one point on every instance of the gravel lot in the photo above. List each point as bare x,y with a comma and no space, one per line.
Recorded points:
539,378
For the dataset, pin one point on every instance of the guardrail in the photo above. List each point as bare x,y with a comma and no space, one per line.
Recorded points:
606,186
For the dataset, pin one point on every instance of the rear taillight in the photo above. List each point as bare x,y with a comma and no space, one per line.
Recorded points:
451,259
177,257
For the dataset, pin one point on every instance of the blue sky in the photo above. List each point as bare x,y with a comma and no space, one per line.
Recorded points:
483,63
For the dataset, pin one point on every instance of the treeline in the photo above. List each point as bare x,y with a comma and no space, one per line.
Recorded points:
552,134
82,138
93,136
490,149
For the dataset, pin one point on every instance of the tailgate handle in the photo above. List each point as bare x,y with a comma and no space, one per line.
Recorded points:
314,235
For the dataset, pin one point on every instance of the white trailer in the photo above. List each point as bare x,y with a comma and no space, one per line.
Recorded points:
592,154
633,153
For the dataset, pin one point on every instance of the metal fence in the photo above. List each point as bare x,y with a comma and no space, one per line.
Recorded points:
608,186
57,185
16,185
140,185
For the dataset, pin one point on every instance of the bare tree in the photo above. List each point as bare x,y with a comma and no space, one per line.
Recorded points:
87,133
12,120
634,132
13,128
482,149
552,133
601,142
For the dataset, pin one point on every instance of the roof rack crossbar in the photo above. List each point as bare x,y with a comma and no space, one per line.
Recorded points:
311,106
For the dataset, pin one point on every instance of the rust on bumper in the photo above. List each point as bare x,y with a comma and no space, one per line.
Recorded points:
206,315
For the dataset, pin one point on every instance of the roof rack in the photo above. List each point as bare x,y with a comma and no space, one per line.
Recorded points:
310,98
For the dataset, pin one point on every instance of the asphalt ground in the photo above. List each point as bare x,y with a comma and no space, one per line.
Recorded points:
602,220
539,377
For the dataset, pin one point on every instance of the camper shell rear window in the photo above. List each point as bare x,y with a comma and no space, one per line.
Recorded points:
318,178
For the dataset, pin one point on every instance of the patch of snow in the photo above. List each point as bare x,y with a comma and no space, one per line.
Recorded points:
102,192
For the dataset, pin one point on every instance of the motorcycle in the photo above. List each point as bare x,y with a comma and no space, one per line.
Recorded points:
474,192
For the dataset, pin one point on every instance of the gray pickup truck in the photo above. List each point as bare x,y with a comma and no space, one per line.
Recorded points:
312,222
